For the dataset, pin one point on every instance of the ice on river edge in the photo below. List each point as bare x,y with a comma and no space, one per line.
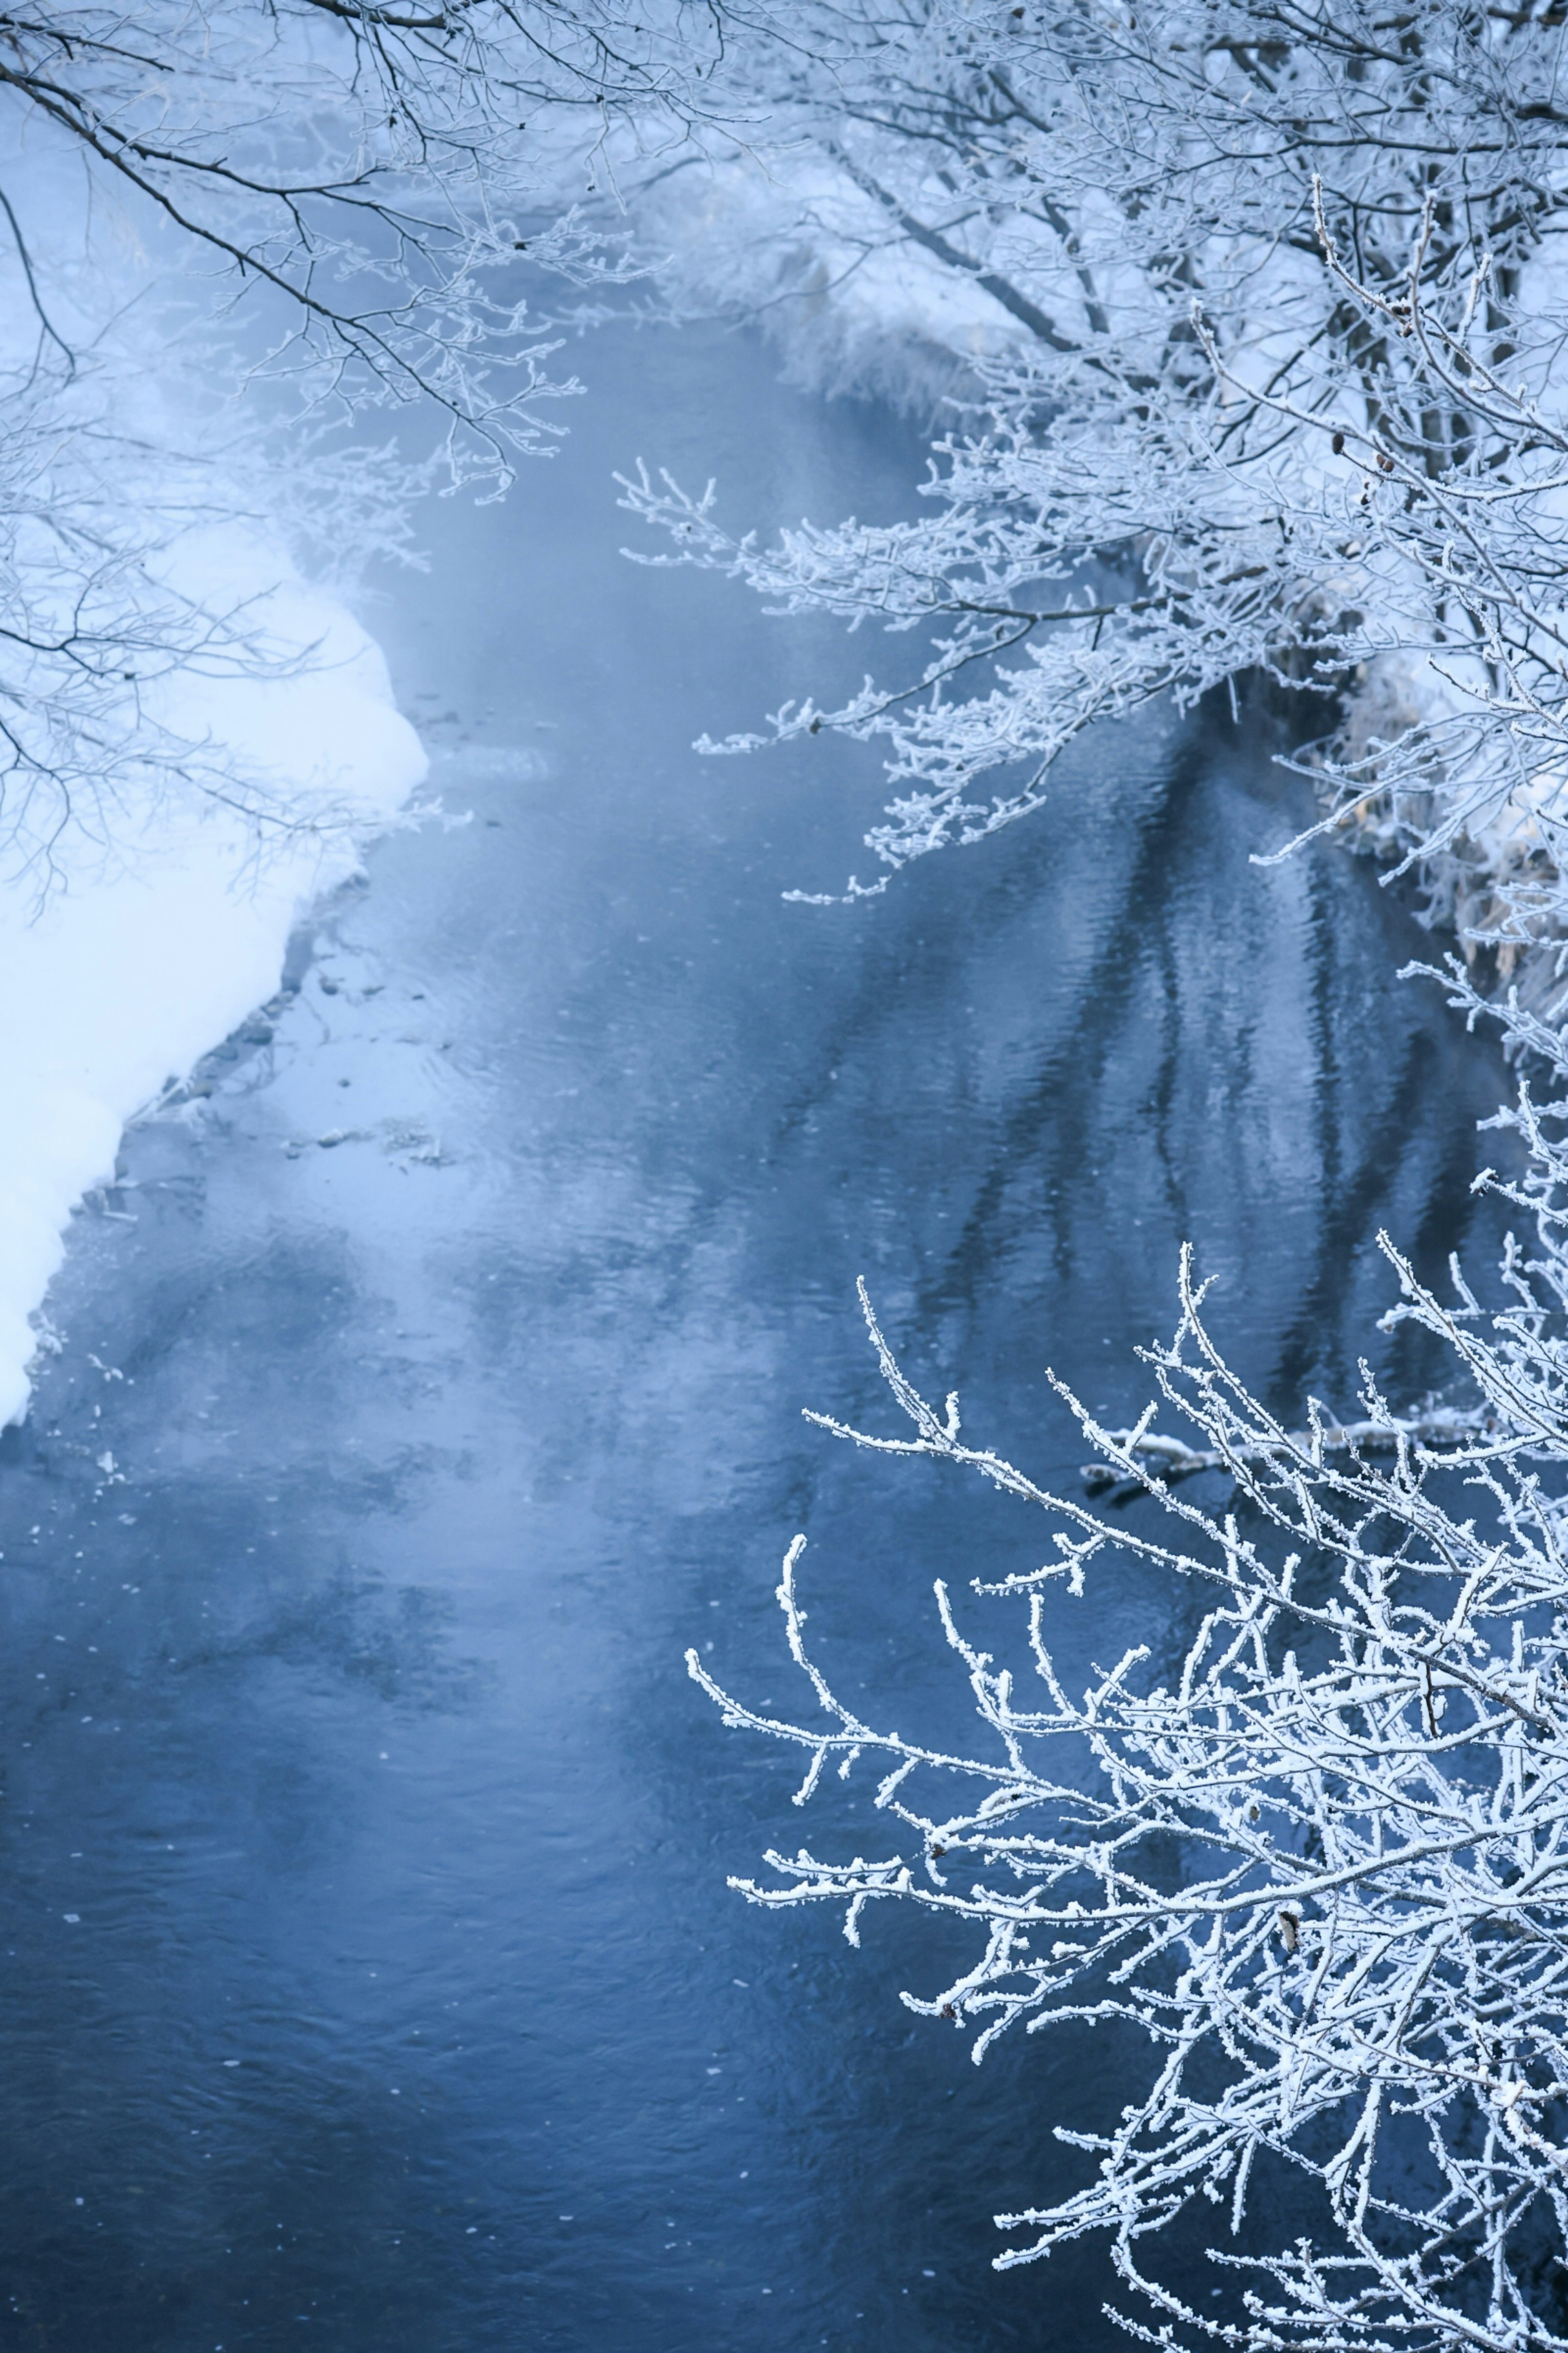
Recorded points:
135,971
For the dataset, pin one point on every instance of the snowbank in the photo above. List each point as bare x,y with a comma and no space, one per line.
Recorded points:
130,972
170,916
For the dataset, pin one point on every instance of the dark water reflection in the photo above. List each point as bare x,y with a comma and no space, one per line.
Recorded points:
370,1979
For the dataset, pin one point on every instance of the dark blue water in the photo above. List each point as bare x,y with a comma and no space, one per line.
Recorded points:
369,1980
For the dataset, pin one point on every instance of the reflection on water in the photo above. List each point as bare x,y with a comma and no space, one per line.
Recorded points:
369,1979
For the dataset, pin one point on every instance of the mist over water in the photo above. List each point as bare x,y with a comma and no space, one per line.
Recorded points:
369,1979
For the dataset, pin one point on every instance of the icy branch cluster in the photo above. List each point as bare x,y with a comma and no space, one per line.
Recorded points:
1317,1863
1257,304
228,230
377,168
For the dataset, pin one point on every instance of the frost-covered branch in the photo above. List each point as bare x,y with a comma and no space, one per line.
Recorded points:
1172,1459
227,231
1317,1858
367,174
1252,313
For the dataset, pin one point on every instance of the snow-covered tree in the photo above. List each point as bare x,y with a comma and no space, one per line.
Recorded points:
1317,1861
1257,304
225,230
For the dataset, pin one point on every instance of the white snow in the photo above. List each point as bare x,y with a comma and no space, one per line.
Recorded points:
132,973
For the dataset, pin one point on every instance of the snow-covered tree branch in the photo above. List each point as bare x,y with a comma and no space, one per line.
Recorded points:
1256,308
372,168
225,232
1319,1860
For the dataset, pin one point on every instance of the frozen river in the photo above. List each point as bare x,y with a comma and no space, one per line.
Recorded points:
370,1979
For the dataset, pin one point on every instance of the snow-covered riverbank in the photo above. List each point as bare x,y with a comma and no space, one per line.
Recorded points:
196,742
131,971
